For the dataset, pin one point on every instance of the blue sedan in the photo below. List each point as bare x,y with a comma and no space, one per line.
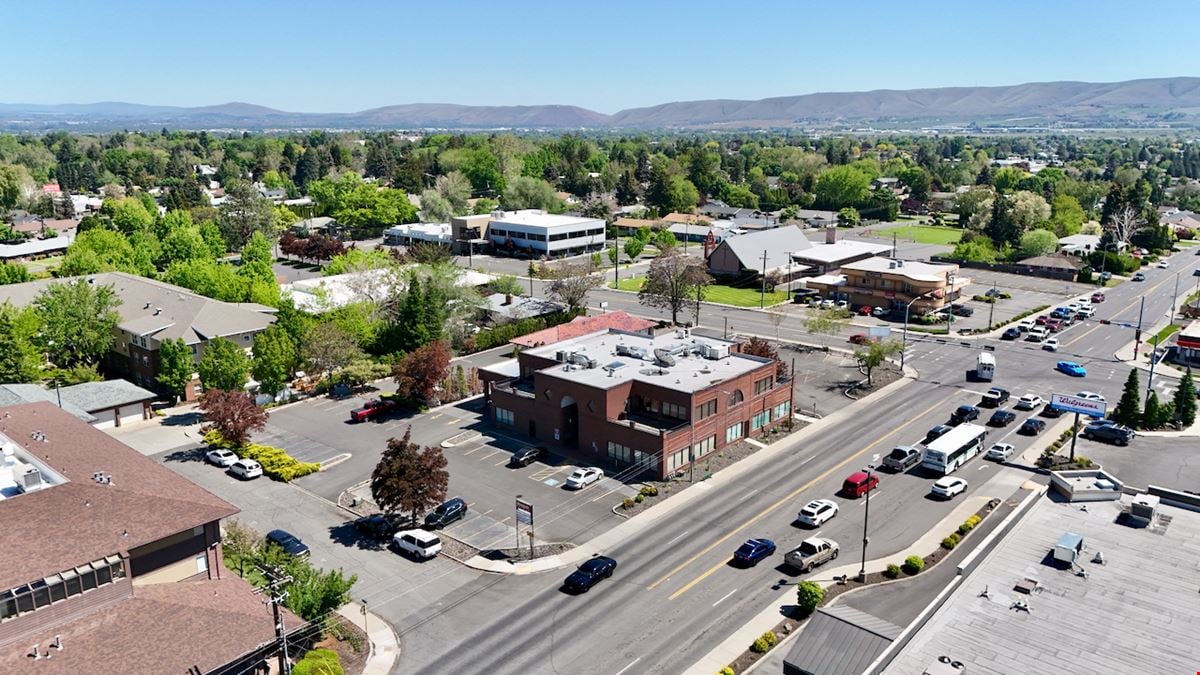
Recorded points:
753,552
1071,368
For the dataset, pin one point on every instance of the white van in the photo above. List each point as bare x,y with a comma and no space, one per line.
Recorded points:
417,543
985,367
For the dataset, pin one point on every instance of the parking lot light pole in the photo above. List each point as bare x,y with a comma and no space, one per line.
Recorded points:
862,571
992,306
904,339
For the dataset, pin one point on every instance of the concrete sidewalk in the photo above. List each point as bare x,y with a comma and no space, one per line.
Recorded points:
179,427
999,486
384,646
640,522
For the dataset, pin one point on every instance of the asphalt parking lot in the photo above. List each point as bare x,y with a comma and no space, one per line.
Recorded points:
1171,462
477,463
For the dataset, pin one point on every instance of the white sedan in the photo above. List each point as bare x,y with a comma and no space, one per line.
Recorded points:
583,477
1162,264
1090,396
817,512
948,486
246,469
999,452
1029,402
1051,344
222,458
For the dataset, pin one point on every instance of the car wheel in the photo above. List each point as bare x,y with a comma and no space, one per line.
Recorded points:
834,556
608,574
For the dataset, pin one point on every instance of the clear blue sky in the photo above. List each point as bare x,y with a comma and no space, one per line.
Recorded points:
346,56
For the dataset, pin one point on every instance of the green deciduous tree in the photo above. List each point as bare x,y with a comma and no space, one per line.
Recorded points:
809,595
275,358
409,479
674,281
842,186
1129,408
327,348
848,217
129,214
1038,242
224,365
20,360
531,193
874,355
634,247
99,250
1066,215
13,273
176,366
77,320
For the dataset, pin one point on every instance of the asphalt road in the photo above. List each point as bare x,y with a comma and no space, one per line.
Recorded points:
674,595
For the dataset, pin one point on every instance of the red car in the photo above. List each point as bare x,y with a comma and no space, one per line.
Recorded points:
860,339
866,310
1097,297
372,408
1054,325
1041,320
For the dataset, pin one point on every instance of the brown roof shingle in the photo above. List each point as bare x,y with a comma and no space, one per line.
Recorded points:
81,520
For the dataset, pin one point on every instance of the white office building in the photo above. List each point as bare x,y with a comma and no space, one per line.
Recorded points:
538,232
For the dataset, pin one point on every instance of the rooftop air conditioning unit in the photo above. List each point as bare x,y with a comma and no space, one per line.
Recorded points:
716,352
1068,548
579,359
28,478
560,356
681,333
1144,507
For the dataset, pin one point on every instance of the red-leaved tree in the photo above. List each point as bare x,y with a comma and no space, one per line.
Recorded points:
233,414
757,346
409,479
419,373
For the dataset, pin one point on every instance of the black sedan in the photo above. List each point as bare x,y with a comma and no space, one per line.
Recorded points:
1002,418
753,552
527,456
589,574
1050,411
287,541
1032,427
380,525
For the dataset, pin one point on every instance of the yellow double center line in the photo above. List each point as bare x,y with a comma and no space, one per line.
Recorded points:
767,511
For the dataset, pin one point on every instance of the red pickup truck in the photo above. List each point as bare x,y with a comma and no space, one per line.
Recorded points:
372,408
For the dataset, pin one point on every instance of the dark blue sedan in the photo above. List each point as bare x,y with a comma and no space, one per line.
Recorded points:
287,541
752,552
590,573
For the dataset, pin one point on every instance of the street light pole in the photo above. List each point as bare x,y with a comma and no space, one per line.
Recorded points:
862,571
1174,298
992,306
904,339
1137,333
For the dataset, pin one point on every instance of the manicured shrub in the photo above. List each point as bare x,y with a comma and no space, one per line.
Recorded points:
627,503
275,462
914,564
639,498
318,662
727,670
950,542
809,595
892,571
764,643
649,491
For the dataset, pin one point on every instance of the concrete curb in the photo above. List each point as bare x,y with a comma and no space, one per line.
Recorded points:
637,523
381,639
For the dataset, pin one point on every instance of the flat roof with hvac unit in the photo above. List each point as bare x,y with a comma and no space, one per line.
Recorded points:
1095,587
675,360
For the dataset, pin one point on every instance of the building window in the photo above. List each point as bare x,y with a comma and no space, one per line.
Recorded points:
505,417
677,459
763,385
705,446
733,433
59,587
645,461
707,409
619,453
736,397
783,410
760,420
674,410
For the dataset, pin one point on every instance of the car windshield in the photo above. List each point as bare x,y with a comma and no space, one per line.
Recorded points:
899,453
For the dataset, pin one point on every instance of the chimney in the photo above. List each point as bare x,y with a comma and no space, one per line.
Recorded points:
508,299
830,234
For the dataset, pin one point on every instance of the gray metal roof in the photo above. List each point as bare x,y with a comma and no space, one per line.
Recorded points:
93,396
778,243
839,640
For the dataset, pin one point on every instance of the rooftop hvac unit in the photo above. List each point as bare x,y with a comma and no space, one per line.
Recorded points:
629,350
580,359
1144,507
681,333
715,352
1068,548
560,356
28,478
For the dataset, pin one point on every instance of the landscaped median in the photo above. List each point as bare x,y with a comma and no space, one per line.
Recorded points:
275,462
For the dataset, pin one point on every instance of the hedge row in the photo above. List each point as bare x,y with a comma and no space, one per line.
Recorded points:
275,462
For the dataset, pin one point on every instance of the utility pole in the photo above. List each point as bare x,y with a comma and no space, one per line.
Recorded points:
276,595
1153,355
617,261
1174,299
950,310
1137,333
895,248
862,571
762,299
992,306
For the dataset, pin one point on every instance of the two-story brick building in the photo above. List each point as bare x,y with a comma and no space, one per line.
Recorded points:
645,404
110,562
153,311
893,284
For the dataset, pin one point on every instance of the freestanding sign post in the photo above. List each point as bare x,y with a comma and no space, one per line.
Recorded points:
524,515
1078,406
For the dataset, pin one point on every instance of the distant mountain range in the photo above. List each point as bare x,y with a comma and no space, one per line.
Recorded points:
1167,102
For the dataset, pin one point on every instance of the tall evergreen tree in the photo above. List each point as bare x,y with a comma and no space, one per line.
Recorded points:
1185,400
1129,408
1151,413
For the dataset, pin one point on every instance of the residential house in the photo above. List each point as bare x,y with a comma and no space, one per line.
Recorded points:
323,225
767,252
884,282
152,311
642,405
107,404
111,562
323,294
502,307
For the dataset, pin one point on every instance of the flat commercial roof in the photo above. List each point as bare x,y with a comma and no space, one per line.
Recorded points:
690,371
1135,613
536,218
840,250
917,271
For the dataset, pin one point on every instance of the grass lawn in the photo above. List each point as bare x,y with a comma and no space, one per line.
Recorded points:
725,295
922,234
1165,333
43,265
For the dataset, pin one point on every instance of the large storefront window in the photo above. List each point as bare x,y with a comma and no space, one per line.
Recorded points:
504,417
733,433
